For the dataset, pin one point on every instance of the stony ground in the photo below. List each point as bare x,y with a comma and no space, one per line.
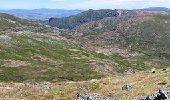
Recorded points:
143,84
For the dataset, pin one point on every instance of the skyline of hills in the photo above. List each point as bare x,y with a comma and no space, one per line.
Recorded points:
45,13
40,14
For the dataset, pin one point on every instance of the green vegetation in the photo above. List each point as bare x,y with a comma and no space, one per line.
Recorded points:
46,59
153,38
42,57
102,47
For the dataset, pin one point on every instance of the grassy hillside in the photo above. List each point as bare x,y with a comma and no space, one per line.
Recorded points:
40,58
99,56
29,54
112,45
12,23
32,55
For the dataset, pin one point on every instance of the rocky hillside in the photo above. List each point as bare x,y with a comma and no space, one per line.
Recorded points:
145,33
141,35
84,17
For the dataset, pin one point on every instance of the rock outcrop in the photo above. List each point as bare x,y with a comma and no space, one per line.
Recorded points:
163,94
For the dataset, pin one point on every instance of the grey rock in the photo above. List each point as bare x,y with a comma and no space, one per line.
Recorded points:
88,96
161,95
42,84
127,87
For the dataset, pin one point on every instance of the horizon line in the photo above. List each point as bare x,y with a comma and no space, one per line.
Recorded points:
76,9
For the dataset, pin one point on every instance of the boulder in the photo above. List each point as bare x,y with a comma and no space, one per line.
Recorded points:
92,96
86,96
161,95
153,70
127,87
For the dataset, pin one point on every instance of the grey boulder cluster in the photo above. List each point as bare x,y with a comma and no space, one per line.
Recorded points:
161,95
87,96
94,96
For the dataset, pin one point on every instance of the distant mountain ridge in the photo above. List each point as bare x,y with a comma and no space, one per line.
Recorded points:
40,14
157,9
85,17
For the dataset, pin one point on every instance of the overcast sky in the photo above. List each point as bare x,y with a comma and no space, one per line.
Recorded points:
82,4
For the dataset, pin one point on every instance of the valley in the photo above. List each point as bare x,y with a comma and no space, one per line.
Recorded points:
95,52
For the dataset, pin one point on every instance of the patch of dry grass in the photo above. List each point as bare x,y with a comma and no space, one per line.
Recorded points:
144,83
15,63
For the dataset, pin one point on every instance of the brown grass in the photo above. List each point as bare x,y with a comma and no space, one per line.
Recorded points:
144,83
15,63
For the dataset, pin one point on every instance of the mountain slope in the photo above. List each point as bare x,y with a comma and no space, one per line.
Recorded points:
97,49
48,66
141,33
144,32
42,58
30,54
12,23
84,17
